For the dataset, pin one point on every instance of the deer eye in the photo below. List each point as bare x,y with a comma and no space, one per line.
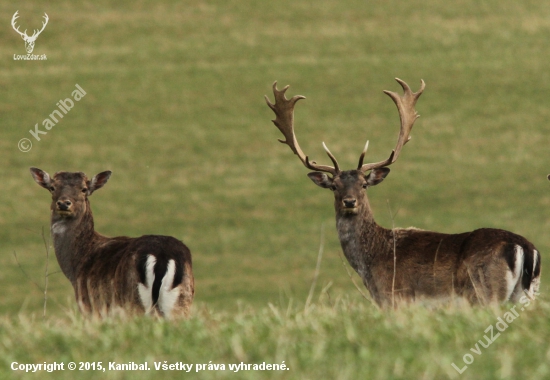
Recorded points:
84,190
51,188
333,187
365,185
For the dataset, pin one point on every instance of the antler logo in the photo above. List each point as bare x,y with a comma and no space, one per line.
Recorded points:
29,40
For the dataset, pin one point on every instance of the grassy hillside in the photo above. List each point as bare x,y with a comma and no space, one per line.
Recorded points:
174,107
331,339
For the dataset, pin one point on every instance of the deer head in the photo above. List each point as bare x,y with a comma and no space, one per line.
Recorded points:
407,264
29,40
70,191
347,186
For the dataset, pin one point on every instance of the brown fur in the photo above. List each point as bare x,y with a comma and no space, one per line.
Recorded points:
106,272
403,265
427,264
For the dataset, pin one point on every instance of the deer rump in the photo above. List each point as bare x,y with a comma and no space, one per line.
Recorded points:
159,265
483,266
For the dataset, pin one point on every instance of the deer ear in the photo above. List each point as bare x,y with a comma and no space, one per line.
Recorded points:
320,179
41,177
98,181
376,176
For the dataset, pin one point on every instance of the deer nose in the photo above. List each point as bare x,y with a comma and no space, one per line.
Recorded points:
64,205
349,203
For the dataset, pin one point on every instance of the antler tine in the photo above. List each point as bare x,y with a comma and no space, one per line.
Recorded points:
44,23
407,114
284,121
332,158
363,155
13,19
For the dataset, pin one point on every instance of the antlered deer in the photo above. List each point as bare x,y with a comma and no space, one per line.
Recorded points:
151,274
29,40
406,264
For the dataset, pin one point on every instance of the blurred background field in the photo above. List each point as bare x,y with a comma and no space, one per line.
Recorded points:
175,108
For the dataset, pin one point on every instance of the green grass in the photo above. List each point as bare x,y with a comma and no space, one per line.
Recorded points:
331,339
175,108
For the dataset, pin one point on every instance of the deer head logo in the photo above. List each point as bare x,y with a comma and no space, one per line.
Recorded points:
29,40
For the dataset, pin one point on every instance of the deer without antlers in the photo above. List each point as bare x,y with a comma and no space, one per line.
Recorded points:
151,274
482,266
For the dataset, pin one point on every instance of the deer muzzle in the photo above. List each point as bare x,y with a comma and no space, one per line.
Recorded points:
349,205
64,207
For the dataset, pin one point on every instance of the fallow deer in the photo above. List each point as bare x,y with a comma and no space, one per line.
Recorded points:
401,265
151,274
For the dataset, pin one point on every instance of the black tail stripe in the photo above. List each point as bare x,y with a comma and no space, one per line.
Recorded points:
160,271
527,267
510,256
178,276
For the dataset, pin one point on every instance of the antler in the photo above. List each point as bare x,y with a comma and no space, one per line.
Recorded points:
405,105
24,34
15,17
36,32
284,112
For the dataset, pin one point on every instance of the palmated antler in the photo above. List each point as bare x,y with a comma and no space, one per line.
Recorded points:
405,105
284,112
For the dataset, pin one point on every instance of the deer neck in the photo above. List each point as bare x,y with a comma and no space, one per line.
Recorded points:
361,238
72,240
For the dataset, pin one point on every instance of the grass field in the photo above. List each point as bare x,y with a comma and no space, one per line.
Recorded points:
174,107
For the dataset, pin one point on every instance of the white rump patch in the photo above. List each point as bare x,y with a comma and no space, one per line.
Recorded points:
167,295
512,278
535,281
146,291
